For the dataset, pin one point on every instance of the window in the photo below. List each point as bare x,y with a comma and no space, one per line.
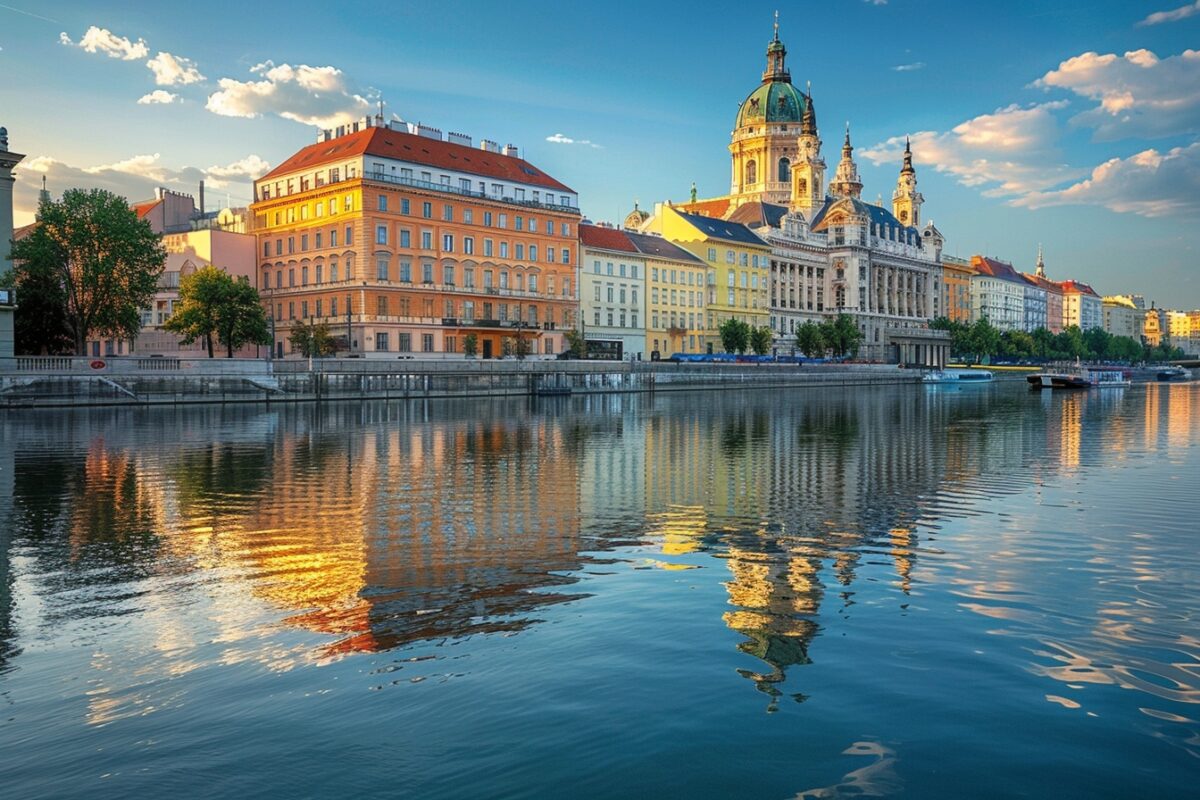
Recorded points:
468,245
504,249
381,268
406,238
381,234
317,237
785,170
405,271
448,210
405,206
333,237
468,215
381,341
487,219
448,275
427,272
348,202
333,307
533,283
448,242
712,254
291,277
426,240
404,342
502,220
469,277
487,247
518,223
427,210
382,197
751,172
520,252
349,240
427,342
550,254
566,229
304,276
533,252
566,255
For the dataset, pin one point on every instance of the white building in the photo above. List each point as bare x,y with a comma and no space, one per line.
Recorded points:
1122,317
1082,307
612,291
998,294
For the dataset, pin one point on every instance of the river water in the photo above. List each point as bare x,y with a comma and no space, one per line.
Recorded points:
904,591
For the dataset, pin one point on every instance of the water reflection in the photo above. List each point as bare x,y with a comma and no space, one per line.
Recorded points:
296,536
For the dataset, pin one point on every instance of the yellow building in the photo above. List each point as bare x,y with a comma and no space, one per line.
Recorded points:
675,296
956,289
737,263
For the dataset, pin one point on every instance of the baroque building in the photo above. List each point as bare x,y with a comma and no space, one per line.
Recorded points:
830,252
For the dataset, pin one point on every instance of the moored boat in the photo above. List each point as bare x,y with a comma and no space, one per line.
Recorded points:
1173,374
958,376
1088,378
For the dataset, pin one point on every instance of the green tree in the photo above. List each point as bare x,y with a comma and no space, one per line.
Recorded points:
1043,342
1098,342
40,324
215,305
470,345
761,339
1070,342
841,335
106,260
241,320
311,339
735,335
576,345
522,347
1017,344
809,340
982,340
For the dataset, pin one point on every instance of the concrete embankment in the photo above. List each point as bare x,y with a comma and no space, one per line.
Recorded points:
51,382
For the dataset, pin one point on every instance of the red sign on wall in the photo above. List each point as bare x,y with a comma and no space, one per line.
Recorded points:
98,364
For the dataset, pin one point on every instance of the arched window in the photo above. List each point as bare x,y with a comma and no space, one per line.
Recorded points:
802,187
785,170
751,172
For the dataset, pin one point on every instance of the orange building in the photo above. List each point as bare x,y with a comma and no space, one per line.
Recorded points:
956,289
405,242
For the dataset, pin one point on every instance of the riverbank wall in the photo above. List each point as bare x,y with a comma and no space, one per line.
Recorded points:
67,382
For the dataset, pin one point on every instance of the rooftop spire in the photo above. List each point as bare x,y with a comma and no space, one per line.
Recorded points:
1041,265
776,55
908,165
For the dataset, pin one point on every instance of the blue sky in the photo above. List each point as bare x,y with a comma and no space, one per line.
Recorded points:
1073,124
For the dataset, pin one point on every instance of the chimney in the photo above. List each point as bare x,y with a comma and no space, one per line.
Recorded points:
489,146
510,150
202,198
459,138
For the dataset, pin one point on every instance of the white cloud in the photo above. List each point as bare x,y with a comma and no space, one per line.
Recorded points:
559,138
876,2
172,70
319,96
1139,94
156,97
1149,183
102,40
246,169
1009,152
909,67
1174,15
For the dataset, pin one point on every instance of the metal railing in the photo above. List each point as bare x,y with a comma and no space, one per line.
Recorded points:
457,190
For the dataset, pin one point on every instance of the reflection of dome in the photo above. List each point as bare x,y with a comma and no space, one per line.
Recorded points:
774,101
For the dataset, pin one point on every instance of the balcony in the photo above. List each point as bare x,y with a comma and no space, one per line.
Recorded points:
447,189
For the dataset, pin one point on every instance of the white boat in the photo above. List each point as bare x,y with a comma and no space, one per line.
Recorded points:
958,376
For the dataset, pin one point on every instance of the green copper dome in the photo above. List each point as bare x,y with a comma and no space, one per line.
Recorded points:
774,101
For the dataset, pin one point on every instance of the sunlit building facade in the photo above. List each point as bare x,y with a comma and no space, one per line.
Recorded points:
612,290
675,282
407,242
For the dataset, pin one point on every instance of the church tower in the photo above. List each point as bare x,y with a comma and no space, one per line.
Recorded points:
808,171
1041,265
846,182
906,200
763,143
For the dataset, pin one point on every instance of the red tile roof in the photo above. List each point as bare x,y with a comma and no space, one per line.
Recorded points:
996,269
1079,287
145,208
605,238
1043,283
23,231
387,143
716,207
